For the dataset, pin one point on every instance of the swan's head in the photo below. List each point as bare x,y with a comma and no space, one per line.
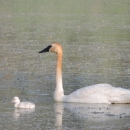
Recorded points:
54,47
15,100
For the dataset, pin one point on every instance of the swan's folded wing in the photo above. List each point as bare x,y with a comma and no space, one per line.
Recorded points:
99,93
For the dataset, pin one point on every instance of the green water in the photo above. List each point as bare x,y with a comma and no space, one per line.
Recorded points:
95,36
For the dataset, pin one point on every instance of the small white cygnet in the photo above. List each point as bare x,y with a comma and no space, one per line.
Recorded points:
18,104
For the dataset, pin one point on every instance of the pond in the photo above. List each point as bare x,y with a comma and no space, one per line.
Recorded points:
95,36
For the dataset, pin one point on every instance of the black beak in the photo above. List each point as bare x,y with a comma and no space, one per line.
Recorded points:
46,49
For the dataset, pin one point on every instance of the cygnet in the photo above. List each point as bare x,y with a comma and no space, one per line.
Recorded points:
18,104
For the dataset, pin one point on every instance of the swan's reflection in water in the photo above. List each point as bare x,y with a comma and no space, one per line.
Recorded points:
20,112
91,112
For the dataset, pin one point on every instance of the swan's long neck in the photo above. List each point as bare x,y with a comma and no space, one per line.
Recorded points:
59,92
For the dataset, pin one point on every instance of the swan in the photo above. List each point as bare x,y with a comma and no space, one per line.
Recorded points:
99,93
18,104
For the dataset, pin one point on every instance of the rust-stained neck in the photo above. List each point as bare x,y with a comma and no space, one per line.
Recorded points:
59,92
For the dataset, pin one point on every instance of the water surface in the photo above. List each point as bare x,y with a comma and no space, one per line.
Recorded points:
95,36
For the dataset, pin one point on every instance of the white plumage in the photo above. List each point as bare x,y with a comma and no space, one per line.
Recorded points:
18,104
99,93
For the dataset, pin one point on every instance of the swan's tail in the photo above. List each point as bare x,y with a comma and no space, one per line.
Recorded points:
121,99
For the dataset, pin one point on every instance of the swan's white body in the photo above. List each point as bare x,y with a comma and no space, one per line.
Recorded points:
18,104
99,93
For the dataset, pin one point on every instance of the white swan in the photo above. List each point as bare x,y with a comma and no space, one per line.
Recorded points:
18,104
99,93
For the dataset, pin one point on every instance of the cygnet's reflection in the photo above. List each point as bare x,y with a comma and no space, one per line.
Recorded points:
20,112
92,112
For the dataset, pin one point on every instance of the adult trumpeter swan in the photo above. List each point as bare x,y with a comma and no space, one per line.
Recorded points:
18,104
99,93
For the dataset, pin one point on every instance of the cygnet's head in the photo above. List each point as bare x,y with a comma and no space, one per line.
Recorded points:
15,100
